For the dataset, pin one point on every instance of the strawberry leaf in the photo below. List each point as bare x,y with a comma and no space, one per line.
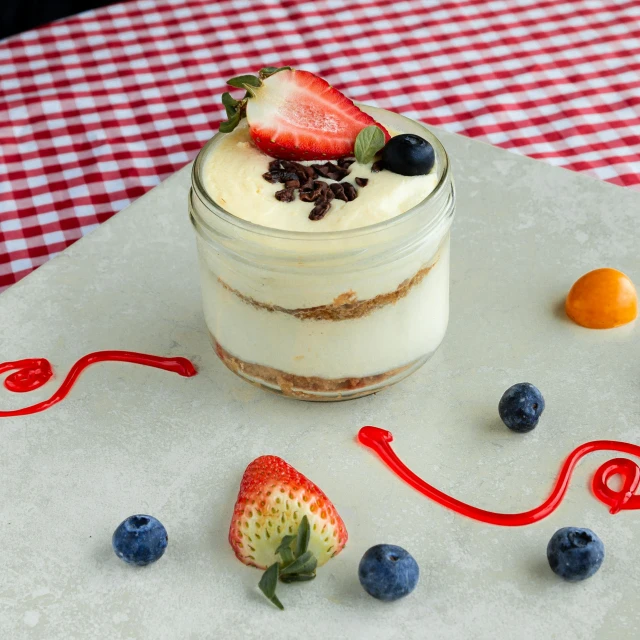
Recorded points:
306,563
268,584
265,72
230,124
230,104
297,577
368,142
285,550
242,82
302,539
286,543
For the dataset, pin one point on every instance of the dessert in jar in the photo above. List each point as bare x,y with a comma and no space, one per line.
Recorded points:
323,238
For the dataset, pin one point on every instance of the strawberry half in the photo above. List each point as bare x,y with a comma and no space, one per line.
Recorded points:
272,502
295,115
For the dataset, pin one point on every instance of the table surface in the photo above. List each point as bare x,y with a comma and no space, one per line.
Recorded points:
131,439
99,108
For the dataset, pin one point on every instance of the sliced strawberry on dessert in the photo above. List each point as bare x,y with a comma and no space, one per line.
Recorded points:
272,502
295,115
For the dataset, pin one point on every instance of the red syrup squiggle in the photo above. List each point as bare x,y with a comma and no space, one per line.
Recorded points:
379,441
32,373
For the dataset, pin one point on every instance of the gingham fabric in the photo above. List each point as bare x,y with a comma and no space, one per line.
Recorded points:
99,108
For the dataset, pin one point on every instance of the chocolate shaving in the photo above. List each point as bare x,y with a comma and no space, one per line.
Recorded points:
286,195
362,182
292,184
275,165
377,166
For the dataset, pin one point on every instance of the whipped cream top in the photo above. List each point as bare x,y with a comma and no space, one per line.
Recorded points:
233,178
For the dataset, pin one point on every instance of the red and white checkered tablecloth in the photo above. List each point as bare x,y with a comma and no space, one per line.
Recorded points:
99,108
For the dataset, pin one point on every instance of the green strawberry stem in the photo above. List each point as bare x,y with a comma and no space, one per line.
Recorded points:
303,537
298,564
305,564
297,577
285,552
268,584
237,109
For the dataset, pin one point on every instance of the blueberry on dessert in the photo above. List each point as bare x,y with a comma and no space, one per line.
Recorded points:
408,155
575,554
388,572
140,540
521,407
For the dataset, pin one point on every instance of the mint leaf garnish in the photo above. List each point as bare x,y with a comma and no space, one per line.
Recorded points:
369,141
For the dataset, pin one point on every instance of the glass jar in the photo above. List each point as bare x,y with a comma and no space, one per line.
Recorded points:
328,315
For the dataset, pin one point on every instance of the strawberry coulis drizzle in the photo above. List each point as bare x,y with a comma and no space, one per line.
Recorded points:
379,441
33,373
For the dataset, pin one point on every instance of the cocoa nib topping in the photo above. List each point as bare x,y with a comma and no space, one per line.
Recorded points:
286,195
297,176
345,163
338,191
279,176
320,210
310,193
331,171
344,191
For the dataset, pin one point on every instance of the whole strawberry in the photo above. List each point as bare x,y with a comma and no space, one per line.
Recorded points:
284,523
295,115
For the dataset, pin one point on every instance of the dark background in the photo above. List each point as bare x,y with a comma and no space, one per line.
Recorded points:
17,16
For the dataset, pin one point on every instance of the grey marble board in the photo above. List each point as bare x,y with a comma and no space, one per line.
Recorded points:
132,439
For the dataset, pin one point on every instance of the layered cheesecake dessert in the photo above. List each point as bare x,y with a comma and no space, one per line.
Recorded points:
323,239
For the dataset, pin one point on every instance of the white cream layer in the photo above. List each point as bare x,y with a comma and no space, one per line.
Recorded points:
389,337
233,177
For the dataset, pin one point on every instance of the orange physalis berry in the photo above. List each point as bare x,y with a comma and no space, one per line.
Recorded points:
602,299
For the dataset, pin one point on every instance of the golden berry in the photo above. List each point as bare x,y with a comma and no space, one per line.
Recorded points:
602,299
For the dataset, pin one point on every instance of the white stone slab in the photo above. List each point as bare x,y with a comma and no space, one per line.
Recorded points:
131,439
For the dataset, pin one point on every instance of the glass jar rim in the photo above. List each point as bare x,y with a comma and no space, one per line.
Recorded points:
442,159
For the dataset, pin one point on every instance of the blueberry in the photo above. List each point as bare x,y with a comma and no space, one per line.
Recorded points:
140,540
521,407
575,554
388,572
408,155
